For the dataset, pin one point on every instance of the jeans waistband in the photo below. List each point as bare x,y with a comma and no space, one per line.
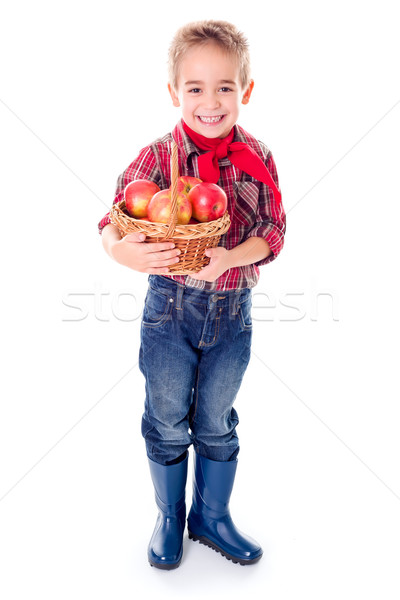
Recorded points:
182,293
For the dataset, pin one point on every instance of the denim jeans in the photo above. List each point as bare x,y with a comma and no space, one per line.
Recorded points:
195,347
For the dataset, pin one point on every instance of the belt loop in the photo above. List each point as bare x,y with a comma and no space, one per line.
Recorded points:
179,295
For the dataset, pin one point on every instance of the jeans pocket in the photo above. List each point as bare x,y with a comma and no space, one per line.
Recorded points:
157,308
244,314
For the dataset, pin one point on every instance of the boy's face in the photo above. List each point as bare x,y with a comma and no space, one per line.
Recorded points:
209,91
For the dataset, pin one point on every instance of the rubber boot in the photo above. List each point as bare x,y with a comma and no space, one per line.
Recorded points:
165,547
209,519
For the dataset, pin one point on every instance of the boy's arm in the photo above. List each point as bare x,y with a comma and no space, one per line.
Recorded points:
252,250
271,219
134,252
248,252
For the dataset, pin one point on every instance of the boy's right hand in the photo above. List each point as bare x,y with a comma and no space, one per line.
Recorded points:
147,257
134,252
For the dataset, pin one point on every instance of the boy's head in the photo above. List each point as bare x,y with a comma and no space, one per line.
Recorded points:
209,75
223,34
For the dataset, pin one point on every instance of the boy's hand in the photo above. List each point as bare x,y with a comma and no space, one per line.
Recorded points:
134,252
218,264
248,252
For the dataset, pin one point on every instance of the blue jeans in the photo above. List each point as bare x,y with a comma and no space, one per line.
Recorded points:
195,347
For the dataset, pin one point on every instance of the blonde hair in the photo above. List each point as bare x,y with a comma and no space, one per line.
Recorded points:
199,33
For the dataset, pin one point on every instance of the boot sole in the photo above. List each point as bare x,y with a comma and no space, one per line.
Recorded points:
165,566
206,542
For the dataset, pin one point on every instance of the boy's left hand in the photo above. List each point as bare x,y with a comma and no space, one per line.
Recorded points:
218,264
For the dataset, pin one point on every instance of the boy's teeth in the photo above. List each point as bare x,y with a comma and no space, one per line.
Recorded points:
210,119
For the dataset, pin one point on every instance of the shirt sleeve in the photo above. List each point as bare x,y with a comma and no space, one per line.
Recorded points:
143,167
271,219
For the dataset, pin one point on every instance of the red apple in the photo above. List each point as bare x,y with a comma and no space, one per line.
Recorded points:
137,196
159,208
186,183
209,201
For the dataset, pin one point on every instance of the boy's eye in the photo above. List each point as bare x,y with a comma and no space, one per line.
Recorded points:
194,91
225,89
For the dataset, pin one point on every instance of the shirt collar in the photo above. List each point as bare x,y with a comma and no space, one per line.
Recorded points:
187,146
184,142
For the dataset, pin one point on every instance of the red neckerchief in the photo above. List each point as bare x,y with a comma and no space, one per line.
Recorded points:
239,153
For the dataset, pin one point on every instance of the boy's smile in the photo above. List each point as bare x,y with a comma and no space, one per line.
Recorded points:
209,91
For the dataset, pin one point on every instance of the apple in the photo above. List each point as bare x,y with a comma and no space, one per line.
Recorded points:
209,201
137,196
186,183
159,208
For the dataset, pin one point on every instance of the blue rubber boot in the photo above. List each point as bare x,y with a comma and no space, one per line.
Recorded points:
165,547
209,519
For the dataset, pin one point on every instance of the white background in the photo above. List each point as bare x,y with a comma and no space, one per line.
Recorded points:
82,89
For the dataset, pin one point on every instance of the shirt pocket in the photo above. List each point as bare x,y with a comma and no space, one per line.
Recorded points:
246,203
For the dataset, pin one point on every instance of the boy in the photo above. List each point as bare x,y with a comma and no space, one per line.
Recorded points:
196,330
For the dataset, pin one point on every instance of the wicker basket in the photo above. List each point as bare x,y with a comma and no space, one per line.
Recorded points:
192,239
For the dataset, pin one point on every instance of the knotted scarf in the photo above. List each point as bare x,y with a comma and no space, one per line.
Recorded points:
240,154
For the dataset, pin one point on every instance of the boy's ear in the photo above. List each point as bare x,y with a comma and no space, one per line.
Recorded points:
175,99
247,94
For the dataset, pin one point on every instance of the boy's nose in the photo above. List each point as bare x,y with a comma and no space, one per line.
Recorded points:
211,101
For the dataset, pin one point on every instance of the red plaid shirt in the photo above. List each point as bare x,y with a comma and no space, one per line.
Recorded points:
251,204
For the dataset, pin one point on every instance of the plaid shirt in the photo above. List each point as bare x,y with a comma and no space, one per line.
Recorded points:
251,205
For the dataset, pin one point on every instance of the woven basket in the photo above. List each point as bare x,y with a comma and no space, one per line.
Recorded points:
192,239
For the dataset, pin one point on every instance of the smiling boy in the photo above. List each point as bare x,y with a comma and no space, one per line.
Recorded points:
201,322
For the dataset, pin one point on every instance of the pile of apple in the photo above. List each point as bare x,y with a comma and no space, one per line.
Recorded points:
198,201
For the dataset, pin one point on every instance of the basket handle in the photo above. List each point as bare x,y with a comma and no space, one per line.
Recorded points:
173,218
